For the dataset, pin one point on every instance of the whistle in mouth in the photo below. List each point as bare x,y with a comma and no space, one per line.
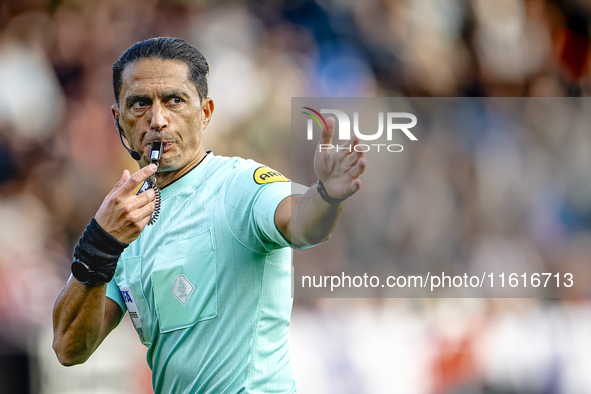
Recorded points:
156,151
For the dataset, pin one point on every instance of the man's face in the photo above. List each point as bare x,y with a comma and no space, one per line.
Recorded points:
158,102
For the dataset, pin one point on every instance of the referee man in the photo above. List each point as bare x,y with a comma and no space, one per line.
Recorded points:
207,286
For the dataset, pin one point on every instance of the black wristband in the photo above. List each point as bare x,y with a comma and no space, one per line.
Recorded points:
322,191
100,251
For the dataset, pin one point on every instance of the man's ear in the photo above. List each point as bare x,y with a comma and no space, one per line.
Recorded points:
207,108
115,113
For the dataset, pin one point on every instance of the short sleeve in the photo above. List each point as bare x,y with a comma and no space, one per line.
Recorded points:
252,194
264,209
263,212
114,293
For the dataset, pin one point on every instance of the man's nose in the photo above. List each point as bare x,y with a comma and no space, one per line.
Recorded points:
157,117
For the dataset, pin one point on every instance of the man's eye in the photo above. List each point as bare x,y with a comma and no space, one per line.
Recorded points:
140,104
175,100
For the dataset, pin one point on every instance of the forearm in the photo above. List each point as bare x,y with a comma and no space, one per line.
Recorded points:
78,318
82,315
313,218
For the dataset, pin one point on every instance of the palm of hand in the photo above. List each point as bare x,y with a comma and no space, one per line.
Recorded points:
339,171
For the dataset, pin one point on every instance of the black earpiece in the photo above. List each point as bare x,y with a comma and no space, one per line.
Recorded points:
136,156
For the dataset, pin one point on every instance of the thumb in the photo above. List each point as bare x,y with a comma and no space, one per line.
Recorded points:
119,183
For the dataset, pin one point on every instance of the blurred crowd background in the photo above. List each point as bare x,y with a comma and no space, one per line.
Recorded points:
60,155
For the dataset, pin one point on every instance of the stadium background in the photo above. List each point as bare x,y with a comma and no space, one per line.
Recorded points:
59,156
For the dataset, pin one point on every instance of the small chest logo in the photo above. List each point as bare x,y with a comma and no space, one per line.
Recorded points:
266,175
182,288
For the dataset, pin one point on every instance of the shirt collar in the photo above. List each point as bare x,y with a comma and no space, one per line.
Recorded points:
188,178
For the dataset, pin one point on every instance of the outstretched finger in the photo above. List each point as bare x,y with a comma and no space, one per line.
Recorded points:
137,179
351,156
352,159
328,133
357,169
348,147
355,185
119,183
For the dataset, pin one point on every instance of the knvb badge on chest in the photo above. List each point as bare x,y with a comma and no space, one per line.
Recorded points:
182,288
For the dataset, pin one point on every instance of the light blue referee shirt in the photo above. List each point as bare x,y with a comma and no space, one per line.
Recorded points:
208,286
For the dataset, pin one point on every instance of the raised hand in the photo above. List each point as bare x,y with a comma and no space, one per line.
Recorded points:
339,171
123,214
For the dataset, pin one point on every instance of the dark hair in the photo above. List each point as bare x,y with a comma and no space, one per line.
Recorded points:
165,48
